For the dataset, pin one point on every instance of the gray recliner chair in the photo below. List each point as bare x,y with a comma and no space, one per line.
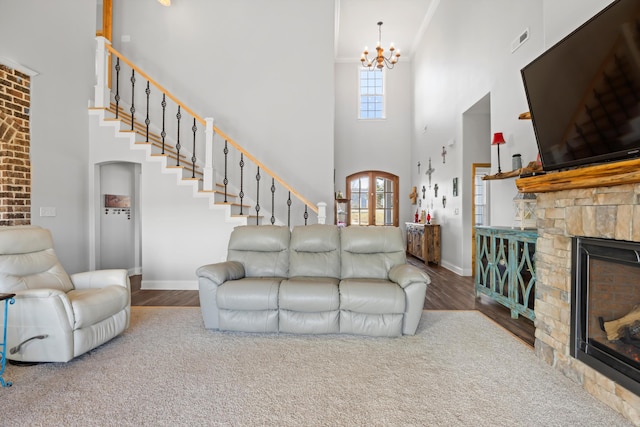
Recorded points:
56,316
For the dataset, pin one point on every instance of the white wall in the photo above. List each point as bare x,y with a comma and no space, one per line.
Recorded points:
44,36
263,70
374,144
464,55
562,17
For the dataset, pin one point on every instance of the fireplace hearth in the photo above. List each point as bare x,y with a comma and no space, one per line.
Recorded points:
605,308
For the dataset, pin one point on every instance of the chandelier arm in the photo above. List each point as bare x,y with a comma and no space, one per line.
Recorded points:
380,58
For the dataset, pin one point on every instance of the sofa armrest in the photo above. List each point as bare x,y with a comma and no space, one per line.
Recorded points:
405,274
100,279
221,272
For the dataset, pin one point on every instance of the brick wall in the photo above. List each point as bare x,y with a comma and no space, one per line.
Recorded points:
15,165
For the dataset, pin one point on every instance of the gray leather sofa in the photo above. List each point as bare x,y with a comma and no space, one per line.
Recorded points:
315,279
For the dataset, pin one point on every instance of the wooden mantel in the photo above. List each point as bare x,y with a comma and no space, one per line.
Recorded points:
604,175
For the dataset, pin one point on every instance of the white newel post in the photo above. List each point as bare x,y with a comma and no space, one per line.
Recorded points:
208,175
322,213
101,92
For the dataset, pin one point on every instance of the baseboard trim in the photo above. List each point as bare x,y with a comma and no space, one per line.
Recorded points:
454,268
135,271
169,285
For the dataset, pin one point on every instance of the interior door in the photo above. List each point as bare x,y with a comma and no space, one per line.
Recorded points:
479,204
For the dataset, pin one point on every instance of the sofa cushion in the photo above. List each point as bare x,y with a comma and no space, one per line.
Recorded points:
252,293
374,325
248,321
262,249
370,252
373,296
295,322
315,251
309,294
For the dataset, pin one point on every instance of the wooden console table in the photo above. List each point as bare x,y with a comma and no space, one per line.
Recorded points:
423,241
505,268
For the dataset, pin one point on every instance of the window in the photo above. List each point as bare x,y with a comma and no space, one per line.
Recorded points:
371,94
374,198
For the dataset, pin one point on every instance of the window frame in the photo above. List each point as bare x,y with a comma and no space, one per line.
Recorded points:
371,199
383,95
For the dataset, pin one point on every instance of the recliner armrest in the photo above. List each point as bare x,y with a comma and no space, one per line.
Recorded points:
221,272
100,279
405,274
44,307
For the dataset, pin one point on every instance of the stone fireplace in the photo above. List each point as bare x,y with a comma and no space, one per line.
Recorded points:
609,212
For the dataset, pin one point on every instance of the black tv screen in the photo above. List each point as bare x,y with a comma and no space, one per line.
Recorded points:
584,92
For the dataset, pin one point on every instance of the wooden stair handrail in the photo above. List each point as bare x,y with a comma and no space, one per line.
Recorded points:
268,171
156,84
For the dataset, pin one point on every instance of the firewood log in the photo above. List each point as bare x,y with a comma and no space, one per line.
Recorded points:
615,328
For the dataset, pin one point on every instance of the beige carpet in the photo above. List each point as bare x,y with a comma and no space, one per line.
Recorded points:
461,369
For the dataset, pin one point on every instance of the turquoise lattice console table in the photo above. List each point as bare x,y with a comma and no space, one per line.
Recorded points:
505,267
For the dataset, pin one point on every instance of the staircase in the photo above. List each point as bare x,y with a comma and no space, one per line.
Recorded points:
189,199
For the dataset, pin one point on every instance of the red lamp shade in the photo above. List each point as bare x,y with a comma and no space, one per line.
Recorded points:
498,139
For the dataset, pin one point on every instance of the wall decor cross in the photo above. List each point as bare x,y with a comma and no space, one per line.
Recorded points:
444,153
423,191
429,172
418,168
435,188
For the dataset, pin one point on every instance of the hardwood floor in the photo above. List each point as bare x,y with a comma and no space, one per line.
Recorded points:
447,291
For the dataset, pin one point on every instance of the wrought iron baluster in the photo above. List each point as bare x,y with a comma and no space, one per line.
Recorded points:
258,196
147,121
289,210
178,116
306,215
133,93
225,181
619,101
627,81
241,181
194,128
163,134
117,97
273,204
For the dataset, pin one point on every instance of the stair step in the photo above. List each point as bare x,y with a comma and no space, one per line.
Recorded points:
169,152
220,192
141,130
234,204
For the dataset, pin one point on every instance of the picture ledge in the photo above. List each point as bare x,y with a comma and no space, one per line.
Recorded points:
602,175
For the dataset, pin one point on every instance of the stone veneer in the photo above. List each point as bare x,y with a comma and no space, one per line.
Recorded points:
605,212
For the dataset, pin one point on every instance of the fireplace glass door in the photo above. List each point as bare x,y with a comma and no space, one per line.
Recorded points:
606,308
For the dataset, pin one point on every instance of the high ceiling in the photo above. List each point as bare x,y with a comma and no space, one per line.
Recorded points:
403,21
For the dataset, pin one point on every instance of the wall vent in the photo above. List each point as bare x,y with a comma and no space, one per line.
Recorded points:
519,41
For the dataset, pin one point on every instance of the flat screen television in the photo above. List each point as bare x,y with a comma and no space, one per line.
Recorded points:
584,91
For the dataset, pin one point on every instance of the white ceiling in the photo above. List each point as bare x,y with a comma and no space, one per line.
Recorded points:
356,25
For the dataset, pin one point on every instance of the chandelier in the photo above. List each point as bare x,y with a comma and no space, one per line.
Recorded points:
380,60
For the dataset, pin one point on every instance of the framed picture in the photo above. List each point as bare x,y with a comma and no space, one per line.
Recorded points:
115,201
455,187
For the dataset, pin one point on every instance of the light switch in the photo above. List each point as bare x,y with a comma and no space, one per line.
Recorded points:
48,211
